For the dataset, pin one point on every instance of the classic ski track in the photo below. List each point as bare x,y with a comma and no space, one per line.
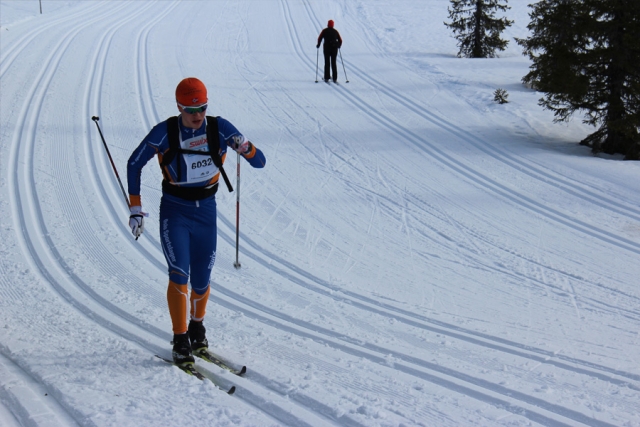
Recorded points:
315,284
302,399
509,399
572,414
147,109
253,398
96,156
475,176
95,248
357,299
632,314
37,259
100,310
37,245
536,171
544,358
562,217
30,400
18,195
13,51
238,302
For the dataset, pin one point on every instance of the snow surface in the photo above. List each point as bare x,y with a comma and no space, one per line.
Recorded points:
414,254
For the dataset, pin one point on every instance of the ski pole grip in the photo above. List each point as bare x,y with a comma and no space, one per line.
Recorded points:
95,118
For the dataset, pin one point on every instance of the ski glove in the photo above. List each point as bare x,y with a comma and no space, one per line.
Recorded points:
136,220
241,145
318,46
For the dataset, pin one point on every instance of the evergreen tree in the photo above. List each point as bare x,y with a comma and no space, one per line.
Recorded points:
476,27
586,56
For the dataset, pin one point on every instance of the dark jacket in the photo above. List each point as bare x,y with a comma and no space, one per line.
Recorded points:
332,39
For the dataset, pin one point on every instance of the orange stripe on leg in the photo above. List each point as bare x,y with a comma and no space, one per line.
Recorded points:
177,298
199,305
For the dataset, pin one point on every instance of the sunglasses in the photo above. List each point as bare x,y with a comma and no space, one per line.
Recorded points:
192,110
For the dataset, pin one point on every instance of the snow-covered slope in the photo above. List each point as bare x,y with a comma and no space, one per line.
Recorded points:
413,253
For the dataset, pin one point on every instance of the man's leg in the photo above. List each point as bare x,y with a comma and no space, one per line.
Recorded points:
327,66
334,64
203,250
174,235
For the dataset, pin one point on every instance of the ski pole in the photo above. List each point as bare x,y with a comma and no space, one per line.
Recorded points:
237,263
343,69
126,199
317,54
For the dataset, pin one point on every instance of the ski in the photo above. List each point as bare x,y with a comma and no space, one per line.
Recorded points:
190,369
205,354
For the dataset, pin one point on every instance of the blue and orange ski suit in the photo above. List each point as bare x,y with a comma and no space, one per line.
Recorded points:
188,230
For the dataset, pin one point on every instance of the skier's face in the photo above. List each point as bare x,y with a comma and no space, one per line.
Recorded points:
192,120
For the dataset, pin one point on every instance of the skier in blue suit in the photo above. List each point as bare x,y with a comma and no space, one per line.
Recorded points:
188,228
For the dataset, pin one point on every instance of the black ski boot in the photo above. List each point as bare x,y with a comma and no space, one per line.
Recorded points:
197,334
182,350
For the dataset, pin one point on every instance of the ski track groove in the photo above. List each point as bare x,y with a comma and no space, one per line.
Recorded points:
44,244
356,296
478,177
500,248
536,171
547,360
18,194
459,382
14,51
473,253
147,109
315,284
271,256
31,401
251,397
572,414
97,158
83,231
49,264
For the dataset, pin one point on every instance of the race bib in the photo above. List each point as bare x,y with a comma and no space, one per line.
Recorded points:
199,167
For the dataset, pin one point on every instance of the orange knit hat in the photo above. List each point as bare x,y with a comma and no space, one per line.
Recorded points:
191,91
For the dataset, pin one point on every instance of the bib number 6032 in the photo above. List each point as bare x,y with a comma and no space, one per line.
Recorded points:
202,163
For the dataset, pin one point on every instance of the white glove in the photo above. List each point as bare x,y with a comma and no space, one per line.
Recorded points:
241,144
136,220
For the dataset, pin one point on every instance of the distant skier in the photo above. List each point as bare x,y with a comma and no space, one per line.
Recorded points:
332,42
188,230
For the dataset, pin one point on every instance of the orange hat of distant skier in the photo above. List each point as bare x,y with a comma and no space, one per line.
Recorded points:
330,23
191,91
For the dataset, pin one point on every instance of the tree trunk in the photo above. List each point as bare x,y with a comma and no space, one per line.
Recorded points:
477,32
619,138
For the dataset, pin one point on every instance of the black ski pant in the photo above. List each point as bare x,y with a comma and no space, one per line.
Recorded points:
330,62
